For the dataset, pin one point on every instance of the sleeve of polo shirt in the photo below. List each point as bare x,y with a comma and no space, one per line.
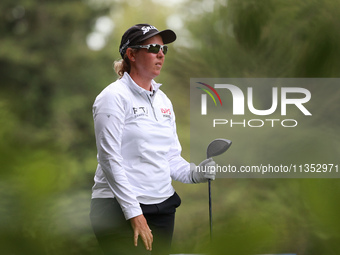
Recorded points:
109,116
179,167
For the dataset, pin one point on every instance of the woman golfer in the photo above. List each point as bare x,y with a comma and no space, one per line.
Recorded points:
138,152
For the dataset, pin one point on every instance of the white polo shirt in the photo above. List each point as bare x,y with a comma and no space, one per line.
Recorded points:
138,147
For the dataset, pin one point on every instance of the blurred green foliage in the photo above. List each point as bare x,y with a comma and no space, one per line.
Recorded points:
49,79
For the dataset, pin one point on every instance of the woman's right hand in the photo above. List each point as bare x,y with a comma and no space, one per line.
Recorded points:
141,228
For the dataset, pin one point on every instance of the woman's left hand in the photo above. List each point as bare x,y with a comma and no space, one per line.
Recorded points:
205,171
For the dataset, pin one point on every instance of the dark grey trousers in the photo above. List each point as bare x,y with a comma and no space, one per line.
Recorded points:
115,234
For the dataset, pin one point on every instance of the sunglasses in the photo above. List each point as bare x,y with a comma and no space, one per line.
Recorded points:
152,48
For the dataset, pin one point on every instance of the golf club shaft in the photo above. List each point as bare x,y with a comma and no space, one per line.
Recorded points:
215,148
210,211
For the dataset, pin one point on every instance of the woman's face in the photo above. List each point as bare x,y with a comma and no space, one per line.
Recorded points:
149,65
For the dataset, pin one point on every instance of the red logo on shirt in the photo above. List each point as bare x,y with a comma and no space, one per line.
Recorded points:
165,111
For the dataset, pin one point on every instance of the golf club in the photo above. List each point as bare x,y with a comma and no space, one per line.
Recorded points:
215,148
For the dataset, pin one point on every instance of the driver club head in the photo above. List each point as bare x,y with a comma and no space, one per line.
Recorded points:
217,147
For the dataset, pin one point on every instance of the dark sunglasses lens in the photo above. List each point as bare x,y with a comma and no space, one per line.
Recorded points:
165,49
156,48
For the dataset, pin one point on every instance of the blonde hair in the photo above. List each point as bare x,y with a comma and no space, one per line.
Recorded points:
123,65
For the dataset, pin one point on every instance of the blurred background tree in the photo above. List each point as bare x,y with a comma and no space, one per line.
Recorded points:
47,155
56,56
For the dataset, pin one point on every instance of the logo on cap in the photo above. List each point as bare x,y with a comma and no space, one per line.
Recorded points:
147,29
121,50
